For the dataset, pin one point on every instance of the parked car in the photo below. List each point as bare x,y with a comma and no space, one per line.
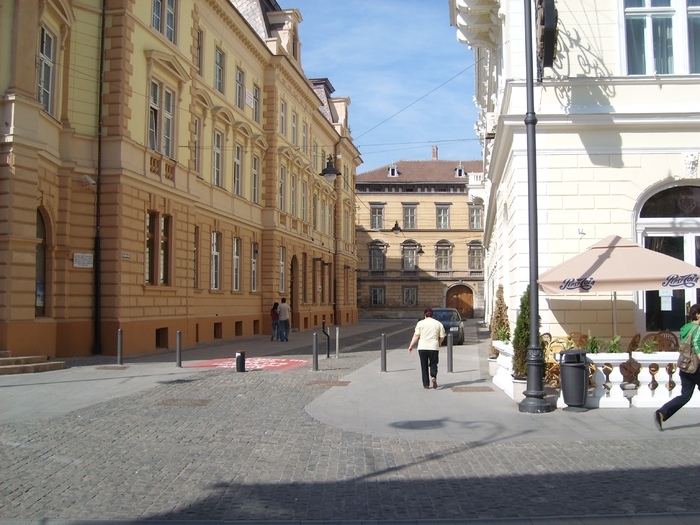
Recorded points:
453,323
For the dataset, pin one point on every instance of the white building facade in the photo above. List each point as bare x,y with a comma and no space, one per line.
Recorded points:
618,136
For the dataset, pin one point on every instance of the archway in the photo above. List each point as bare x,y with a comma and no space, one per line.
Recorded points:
461,297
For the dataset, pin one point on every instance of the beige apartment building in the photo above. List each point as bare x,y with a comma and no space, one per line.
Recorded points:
419,238
181,194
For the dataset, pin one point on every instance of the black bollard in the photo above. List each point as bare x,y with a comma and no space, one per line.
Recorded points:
240,361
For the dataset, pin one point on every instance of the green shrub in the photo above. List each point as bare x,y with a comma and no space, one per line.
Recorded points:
521,336
500,326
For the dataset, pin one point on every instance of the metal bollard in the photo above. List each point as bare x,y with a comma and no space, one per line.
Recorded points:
120,346
240,361
178,349
314,352
328,338
337,342
449,352
383,354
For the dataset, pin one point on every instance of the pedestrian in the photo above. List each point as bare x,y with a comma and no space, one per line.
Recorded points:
284,311
428,337
688,381
275,314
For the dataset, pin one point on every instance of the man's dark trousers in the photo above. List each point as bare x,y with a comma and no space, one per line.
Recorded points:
428,362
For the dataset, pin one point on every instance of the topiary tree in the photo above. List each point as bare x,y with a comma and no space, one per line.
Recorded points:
500,326
521,336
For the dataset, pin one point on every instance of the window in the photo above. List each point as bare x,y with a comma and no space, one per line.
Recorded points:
314,212
283,118
410,296
377,296
443,217
219,65
331,212
236,264
393,170
46,62
304,139
443,258
294,128
240,88
237,169
256,103
323,216
459,171
216,161
195,257
282,187
215,260
376,216
408,256
346,225
160,120
293,196
254,267
409,216
197,143
199,51
314,160
376,257
304,191
164,15
476,257
656,36
475,214
157,256
40,290
283,256
255,180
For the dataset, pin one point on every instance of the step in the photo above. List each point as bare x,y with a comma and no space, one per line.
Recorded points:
45,366
25,360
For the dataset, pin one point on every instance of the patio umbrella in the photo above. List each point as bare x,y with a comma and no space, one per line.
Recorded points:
615,264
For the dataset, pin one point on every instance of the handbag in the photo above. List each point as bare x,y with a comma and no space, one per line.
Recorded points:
687,358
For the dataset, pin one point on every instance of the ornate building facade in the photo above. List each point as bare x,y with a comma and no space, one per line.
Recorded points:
180,194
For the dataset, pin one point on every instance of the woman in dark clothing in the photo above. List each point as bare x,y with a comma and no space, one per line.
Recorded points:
274,312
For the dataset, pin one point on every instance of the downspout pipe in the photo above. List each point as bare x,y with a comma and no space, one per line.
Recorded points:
97,329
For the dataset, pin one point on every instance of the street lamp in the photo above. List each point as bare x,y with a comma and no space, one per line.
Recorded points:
330,172
396,229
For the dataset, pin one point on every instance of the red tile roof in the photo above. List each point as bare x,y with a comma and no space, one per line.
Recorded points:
422,171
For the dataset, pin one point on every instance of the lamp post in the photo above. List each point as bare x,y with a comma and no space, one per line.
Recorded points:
534,401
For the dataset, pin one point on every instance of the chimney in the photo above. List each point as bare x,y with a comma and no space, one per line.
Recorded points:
435,155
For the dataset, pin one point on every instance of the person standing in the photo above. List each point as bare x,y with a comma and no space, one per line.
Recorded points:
275,314
688,381
428,335
284,311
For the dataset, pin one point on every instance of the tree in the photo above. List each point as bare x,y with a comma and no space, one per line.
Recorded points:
500,326
521,336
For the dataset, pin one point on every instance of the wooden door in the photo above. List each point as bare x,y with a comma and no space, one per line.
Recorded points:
461,298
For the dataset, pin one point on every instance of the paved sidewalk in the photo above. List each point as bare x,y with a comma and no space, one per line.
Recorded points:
152,443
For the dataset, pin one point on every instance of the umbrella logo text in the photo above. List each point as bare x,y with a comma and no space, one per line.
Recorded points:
584,283
677,281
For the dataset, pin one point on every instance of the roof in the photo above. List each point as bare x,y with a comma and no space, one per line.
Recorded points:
421,171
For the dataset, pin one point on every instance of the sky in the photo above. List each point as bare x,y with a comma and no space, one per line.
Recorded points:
410,82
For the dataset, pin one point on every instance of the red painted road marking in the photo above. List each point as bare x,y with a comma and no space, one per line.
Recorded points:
253,363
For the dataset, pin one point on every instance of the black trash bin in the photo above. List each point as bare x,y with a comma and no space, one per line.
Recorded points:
573,370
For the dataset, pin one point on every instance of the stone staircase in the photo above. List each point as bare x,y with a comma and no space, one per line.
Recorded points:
27,365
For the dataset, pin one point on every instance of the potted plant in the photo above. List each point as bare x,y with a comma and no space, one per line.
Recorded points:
500,326
521,337
613,346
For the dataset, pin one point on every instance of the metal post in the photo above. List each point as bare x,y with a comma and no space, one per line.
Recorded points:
534,401
120,346
328,338
383,353
449,352
178,349
337,342
314,352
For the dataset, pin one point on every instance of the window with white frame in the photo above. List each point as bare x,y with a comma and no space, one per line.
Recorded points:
662,37
236,277
46,69
376,216
377,295
314,160
195,257
314,212
157,255
219,70
283,117
293,196
475,216
346,225
304,139
197,144
331,212
199,51
442,212
238,170
254,267
410,296
323,216
165,18
256,103
443,257
283,258
240,88
304,191
476,256
215,260
160,119
294,128
217,159
376,257
282,187
409,254
409,216
255,180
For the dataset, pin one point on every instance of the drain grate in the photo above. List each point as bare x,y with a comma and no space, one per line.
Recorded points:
329,383
184,402
111,367
472,389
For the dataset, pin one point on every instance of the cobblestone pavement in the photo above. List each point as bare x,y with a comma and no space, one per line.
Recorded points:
225,446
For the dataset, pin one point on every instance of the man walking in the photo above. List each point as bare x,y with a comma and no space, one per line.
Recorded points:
284,311
428,335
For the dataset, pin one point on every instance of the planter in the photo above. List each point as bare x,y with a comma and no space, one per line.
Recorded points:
519,387
493,366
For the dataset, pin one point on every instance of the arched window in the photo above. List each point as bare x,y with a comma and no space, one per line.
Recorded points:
476,256
409,256
377,256
443,258
40,295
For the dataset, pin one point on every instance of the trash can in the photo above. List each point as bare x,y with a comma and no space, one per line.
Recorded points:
573,370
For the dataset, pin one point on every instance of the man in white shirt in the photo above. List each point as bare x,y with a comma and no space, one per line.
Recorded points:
284,311
428,335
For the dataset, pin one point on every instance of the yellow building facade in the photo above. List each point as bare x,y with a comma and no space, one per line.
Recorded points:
190,200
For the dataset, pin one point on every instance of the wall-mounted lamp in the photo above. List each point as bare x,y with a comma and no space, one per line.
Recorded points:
330,172
396,228
420,250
